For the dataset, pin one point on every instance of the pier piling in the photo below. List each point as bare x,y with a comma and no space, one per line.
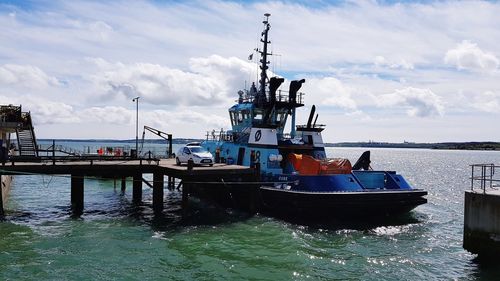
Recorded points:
185,196
1,200
124,184
171,183
77,194
137,188
158,192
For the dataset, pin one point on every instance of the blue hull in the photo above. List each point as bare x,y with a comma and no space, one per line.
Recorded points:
355,181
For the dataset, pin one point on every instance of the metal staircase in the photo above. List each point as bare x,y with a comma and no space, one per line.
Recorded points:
26,139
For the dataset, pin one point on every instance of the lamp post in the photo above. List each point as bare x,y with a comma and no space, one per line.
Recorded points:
136,100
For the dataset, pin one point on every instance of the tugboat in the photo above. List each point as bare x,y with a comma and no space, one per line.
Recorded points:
296,177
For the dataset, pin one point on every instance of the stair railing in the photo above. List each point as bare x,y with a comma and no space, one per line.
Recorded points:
32,129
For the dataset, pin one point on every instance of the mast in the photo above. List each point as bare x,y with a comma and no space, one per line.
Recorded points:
264,54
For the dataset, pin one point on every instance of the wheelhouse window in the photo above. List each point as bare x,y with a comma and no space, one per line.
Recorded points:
281,117
246,114
232,116
238,117
258,114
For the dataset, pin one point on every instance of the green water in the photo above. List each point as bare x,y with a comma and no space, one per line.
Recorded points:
115,240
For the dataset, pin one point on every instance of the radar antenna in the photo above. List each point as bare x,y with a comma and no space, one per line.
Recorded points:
264,54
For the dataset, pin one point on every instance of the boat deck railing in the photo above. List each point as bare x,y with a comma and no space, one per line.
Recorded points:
485,176
281,96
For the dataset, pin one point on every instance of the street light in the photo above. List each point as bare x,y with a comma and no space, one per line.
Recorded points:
136,100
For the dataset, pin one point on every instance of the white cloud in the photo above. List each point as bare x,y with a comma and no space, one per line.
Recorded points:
468,55
101,29
420,102
107,114
186,118
360,115
27,76
211,81
44,111
381,61
330,91
487,102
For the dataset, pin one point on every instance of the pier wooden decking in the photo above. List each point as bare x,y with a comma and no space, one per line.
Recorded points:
123,168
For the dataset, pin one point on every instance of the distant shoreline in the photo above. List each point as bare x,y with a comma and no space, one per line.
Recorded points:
442,145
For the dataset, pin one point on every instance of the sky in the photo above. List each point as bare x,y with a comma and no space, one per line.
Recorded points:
389,71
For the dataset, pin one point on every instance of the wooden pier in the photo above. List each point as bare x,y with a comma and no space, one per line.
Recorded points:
79,167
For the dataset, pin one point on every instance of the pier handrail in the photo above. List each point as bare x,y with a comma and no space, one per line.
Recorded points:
485,175
59,148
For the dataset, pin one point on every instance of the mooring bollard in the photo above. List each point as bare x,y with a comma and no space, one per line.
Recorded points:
190,165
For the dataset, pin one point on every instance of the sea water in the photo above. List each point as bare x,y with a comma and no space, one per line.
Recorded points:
117,240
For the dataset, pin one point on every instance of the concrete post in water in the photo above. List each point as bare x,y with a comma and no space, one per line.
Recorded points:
124,184
137,188
77,194
482,223
157,192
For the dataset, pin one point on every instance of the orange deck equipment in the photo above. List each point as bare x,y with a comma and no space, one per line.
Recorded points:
336,166
295,160
308,166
